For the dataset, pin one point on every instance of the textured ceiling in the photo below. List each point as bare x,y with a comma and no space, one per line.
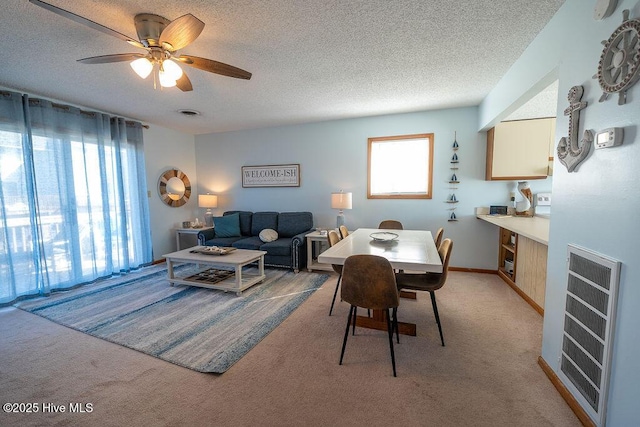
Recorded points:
311,60
544,104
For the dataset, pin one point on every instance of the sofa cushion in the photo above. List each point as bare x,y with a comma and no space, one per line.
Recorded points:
245,221
227,225
262,220
222,241
268,235
277,247
292,223
252,242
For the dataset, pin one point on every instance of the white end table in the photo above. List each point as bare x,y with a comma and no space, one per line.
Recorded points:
318,241
188,237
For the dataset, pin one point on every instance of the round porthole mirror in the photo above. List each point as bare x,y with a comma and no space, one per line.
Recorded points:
174,188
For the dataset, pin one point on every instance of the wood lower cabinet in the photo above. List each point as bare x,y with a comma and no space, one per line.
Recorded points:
507,257
532,269
529,275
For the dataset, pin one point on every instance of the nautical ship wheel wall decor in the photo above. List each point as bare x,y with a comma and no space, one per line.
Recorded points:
620,60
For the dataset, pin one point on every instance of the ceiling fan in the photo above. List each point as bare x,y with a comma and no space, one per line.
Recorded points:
162,39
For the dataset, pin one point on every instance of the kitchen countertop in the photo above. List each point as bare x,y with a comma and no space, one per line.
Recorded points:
535,228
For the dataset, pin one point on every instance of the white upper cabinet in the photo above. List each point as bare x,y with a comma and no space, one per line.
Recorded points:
520,149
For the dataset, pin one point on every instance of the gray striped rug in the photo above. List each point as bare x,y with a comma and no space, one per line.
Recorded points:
201,329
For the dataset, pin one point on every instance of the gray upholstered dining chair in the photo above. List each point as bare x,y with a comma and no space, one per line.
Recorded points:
429,282
332,239
344,231
368,281
438,237
390,224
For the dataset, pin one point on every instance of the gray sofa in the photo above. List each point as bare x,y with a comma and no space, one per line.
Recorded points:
288,251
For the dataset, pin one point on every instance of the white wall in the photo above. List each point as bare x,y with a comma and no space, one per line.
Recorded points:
595,207
168,149
333,156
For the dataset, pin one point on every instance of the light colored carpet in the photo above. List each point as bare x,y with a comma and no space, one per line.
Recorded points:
487,375
201,329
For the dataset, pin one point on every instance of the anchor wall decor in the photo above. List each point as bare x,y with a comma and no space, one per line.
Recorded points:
569,152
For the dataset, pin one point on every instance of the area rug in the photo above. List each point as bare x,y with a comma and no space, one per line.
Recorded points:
201,329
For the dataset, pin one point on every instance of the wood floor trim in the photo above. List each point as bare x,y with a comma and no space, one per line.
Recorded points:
566,395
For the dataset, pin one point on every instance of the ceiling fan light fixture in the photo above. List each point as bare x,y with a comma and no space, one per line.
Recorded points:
165,79
171,69
142,67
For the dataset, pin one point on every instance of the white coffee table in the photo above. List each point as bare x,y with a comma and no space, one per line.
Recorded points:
235,261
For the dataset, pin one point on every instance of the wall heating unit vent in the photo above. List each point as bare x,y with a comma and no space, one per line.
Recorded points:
589,317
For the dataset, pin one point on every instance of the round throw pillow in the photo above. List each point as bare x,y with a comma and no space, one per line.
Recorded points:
268,235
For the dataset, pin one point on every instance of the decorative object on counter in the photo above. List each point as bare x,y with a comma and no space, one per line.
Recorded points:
453,181
197,224
186,224
569,152
271,176
174,188
340,201
498,210
523,208
604,9
208,201
620,60
512,198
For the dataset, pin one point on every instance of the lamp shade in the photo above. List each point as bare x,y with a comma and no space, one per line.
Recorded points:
142,67
341,200
207,201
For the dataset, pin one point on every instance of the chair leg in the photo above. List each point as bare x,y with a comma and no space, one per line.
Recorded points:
355,313
395,323
390,333
335,293
346,333
435,311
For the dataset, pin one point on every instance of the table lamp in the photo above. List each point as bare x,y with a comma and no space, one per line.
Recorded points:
340,201
208,201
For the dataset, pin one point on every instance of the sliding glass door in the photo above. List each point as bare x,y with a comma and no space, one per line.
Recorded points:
73,200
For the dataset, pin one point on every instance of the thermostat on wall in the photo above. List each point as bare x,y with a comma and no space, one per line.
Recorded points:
609,137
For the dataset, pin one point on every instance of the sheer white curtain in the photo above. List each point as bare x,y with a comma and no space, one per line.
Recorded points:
73,205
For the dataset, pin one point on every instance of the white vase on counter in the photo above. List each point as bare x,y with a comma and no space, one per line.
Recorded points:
523,207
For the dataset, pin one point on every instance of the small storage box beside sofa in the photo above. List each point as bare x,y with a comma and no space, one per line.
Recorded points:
289,250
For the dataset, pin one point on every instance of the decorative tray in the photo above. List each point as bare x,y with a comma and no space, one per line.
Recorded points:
213,250
383,236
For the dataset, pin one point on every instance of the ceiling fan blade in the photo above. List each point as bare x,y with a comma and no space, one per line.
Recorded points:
84,21
180,32
118,57
214,66
184,84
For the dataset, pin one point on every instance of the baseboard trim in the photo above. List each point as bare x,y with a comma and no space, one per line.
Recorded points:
159,261
473,270
520,292
566,395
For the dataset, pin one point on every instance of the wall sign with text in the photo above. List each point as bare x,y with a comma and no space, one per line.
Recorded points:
271,176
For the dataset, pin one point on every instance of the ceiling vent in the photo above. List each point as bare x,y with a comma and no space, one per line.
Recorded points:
189,113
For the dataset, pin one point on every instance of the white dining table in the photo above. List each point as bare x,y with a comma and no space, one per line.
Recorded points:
412,250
